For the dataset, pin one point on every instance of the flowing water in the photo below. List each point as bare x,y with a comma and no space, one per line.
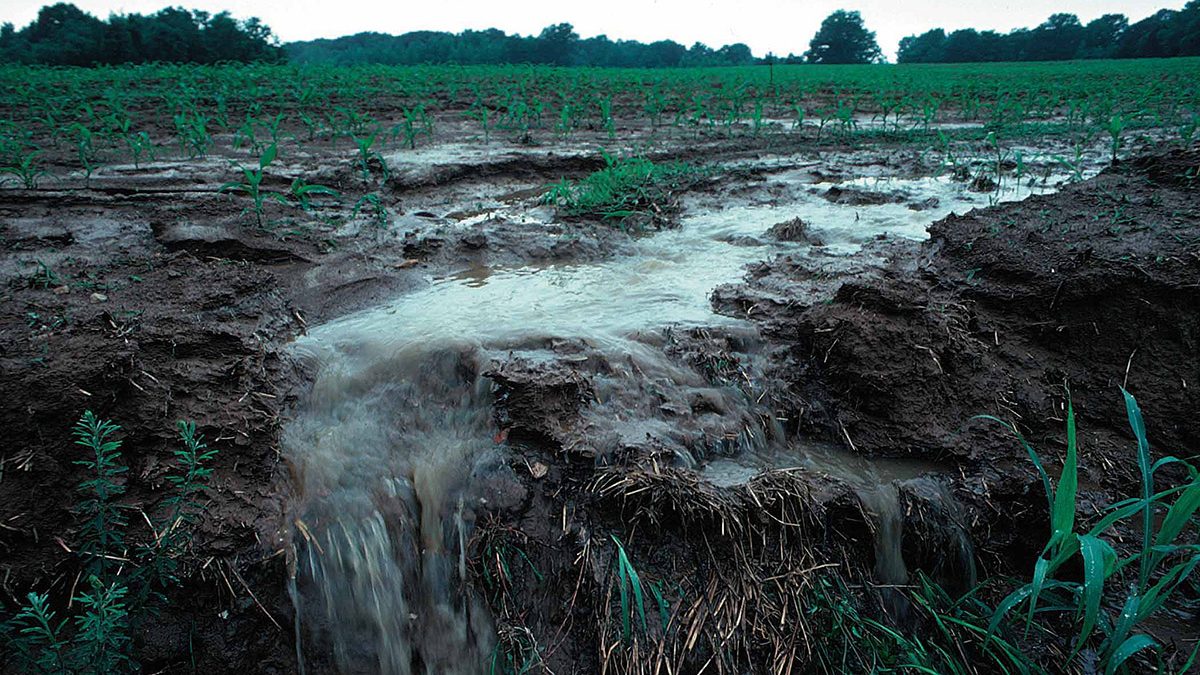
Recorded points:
398,420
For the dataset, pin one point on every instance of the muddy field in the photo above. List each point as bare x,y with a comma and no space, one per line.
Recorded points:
444,418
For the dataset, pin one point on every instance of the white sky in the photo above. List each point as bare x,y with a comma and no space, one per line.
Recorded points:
779,26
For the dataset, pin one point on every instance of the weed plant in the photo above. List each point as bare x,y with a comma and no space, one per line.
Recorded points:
122,582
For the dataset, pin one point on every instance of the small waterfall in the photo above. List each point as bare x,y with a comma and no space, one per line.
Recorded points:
385,446
883,502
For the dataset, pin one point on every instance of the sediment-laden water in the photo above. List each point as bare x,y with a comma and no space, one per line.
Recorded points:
397,424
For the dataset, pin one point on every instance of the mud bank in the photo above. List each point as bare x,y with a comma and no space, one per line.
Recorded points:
727,457
1002,312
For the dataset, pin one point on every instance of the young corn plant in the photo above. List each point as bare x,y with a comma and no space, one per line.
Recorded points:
1139,582
303,193
139,145
85,150
373,205
192,133
251,185
482,114
1115,125
415,123
366,156
26,170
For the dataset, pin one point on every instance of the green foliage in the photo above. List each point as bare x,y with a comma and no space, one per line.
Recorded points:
555,45
414,123
843,39
1164,561
368,157
63,35
1116,124
251,184
191,130
373,205
25,170
97,639
303,192
622,190
1062,37
101,535
629,587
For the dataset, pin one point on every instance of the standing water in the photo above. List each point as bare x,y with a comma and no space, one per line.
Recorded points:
398,419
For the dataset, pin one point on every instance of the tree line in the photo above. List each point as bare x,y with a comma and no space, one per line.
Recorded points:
558,44
1063,37
64,35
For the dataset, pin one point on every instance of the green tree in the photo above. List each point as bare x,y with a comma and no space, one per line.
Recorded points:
1058,39
928,47
555,43
843,38
1100,37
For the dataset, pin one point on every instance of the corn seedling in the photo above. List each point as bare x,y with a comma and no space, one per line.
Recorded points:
1139,583
85,150
373,205
1116,124
46,277
192,132
415,122
251,184
273,126
246,136
1074,163
139,145
303,193
26,171
483,115
366,156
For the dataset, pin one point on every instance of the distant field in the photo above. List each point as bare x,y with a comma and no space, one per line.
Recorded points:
112,106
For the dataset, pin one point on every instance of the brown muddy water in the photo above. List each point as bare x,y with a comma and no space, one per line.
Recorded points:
397,426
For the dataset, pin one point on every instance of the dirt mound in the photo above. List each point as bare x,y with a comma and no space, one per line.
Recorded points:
794,230
1000,312
147,342
862,197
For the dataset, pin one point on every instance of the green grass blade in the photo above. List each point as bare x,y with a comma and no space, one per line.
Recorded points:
1157,594
1062,517
1007,605
1040,570
1037,462
1127,649
1097,555
1138,425
1179,515
268,156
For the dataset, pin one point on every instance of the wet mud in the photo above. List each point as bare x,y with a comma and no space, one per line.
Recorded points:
484,407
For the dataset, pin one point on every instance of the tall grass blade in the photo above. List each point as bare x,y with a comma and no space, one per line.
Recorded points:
1138,425
1097,563
1127,649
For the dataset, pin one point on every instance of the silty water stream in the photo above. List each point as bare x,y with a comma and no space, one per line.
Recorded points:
398,419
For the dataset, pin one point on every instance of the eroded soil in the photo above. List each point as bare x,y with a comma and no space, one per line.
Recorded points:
148,297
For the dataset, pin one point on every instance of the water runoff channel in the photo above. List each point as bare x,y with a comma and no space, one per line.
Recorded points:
397,422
